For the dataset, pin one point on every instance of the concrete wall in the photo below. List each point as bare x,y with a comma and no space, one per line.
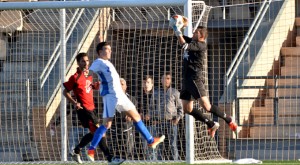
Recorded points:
53,106
3,42
270,51
10,21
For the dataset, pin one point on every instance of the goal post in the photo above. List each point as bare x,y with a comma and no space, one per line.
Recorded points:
256,43
189,125
142,43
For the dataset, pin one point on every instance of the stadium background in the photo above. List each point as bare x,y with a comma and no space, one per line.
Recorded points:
262,94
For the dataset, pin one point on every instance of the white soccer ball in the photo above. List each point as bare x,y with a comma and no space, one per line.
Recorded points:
178,21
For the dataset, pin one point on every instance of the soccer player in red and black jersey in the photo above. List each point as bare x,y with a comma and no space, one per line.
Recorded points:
193,86
82,84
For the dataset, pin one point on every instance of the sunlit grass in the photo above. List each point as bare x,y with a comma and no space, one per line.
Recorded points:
164,163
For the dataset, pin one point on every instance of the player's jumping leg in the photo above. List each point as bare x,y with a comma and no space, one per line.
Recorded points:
110,158
199,116
99,137
83,142
96,139
217,111
152,141
212,126
140,126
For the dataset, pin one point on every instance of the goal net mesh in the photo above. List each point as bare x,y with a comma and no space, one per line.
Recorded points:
142,44
252,50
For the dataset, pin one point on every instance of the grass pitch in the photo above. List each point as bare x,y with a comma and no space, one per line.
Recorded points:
148,163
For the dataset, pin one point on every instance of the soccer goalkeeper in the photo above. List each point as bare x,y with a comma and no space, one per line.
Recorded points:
193,87
82,84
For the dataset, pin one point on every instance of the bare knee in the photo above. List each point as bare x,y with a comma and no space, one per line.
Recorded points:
205,103
187,106
107,126
207,106
187,109
134,115
107,123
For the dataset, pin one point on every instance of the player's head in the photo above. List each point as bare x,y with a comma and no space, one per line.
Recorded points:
147,83
83,61
166,80
200,34
104,50
123,84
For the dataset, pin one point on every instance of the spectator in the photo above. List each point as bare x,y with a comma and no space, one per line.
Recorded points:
169,108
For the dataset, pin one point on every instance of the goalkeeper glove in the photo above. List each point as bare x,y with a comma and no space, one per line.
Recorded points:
177,22
177,31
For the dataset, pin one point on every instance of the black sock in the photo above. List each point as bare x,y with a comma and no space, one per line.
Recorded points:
86,139
198,115
104,148
217,111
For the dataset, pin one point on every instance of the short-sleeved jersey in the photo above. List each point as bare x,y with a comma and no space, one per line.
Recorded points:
194,58
82,87
109,77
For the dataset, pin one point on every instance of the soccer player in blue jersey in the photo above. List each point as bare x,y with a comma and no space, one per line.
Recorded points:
114,99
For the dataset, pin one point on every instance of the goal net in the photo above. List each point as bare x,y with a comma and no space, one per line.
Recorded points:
142,44
250,45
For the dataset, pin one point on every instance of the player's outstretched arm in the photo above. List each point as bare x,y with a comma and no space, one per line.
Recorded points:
177,23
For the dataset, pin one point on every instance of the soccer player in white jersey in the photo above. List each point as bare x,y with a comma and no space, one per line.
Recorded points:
114,99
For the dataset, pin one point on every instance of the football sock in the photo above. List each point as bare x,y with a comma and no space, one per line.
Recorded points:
104,149
140,126
97,136
217,111
198,115
86,139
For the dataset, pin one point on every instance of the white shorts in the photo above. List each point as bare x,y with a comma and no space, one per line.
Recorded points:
111,103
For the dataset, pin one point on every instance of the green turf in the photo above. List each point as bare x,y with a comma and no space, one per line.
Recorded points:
127,163
264,162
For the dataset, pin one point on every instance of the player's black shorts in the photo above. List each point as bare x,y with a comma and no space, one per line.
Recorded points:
192,89
87,118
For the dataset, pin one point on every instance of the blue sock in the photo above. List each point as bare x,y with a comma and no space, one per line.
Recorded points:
140,126
97,136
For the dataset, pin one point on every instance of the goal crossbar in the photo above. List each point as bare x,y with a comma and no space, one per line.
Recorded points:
89,4
160,13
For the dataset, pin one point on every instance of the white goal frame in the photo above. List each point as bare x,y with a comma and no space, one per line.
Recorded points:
190,158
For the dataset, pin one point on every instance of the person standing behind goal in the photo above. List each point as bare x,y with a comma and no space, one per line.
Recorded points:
169,107
129,137
193,87
82,84
122,130
146,106
114,99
